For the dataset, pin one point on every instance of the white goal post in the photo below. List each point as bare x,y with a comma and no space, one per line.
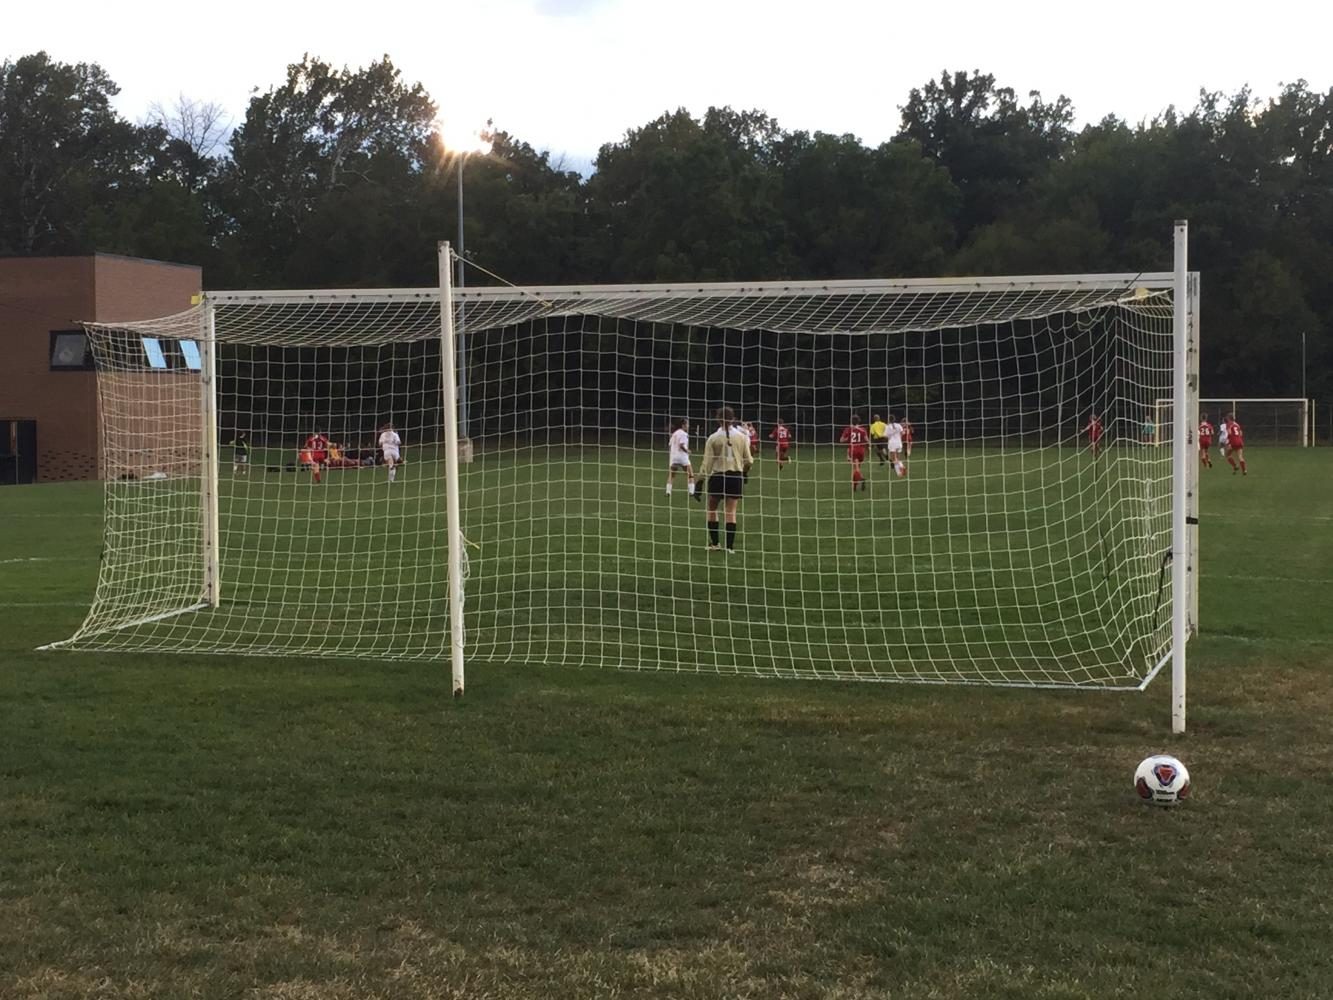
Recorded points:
1267,421
298,489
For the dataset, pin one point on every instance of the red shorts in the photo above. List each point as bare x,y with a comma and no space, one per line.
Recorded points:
782,448
1235,445
319,457
856,453
1205,443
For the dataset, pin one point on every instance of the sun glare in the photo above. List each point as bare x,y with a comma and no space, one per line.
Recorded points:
462,138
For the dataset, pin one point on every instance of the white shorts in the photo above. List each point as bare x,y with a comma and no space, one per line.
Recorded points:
391,453
895,444
679,460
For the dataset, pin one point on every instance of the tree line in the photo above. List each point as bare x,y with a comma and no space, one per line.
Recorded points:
339,177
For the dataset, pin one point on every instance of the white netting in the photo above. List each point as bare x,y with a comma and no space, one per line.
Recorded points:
1008,553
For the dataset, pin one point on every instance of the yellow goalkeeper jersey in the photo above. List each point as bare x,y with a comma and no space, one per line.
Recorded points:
726,450
879,430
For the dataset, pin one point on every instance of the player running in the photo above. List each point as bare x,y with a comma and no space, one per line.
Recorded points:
678,458
781,437
894,431
727,460
879,432
753,432
907,436
390,443
1094,432
1235,437
1205,441
856,439
317,453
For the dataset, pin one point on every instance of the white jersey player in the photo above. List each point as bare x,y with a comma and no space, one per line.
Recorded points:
894,432
390,445
678,460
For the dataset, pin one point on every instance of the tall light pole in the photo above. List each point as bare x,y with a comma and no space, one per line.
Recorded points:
462,144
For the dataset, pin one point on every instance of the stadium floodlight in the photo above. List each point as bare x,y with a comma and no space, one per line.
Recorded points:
1007,554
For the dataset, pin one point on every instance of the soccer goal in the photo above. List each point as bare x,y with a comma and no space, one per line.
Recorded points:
532,517
1266,421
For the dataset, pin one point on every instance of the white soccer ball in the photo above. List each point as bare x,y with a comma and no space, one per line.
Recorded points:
1162,780
902,470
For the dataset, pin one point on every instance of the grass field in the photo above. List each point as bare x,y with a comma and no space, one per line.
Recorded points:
269,827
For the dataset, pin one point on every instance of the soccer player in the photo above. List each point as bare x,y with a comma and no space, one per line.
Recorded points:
907,436
390,443
317,447
855,438
753,433
1222,443
1094,432
781,435
240,454
1236,445
1205,441
727,460
894,431
879,431
678,458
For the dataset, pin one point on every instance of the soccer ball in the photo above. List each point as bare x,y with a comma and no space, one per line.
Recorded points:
902,470
1162,781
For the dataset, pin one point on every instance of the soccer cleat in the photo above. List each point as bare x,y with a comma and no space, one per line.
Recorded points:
713,546
697,496
731,552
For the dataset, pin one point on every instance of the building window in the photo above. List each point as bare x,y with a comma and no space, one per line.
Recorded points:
69,351
153,349
190,351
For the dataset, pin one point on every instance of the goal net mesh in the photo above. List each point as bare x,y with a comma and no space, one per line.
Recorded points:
1009,553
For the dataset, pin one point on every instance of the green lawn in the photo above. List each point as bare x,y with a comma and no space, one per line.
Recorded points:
284,827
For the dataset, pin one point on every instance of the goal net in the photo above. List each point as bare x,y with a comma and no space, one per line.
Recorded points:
1012,551
1266,421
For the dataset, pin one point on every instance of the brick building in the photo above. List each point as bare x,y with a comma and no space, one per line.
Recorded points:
48,389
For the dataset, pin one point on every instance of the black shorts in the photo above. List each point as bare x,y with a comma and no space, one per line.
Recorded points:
726,485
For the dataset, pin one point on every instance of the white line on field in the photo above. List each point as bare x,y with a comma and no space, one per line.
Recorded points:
46,604
44,513
1269,579
28,559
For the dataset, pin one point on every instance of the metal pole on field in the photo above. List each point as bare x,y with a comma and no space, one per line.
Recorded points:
462,337
1180,456
453,515
208,402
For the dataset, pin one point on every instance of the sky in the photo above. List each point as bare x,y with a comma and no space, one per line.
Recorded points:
570,75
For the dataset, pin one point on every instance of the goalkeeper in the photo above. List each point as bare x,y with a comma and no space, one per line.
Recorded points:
727,460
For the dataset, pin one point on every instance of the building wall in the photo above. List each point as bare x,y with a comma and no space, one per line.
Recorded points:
42,294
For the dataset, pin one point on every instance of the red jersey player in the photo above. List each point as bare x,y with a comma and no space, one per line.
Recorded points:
317,445
857,439
781,436
1094,432
1205,441
907,436
753,431
1235,445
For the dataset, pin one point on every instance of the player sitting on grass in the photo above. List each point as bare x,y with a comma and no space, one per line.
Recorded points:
856,439
678,458
781,435
390,443
727,461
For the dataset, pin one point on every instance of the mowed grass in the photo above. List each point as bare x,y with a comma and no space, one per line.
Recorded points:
268,827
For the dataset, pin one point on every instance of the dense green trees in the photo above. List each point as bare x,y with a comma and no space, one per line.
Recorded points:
339,177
